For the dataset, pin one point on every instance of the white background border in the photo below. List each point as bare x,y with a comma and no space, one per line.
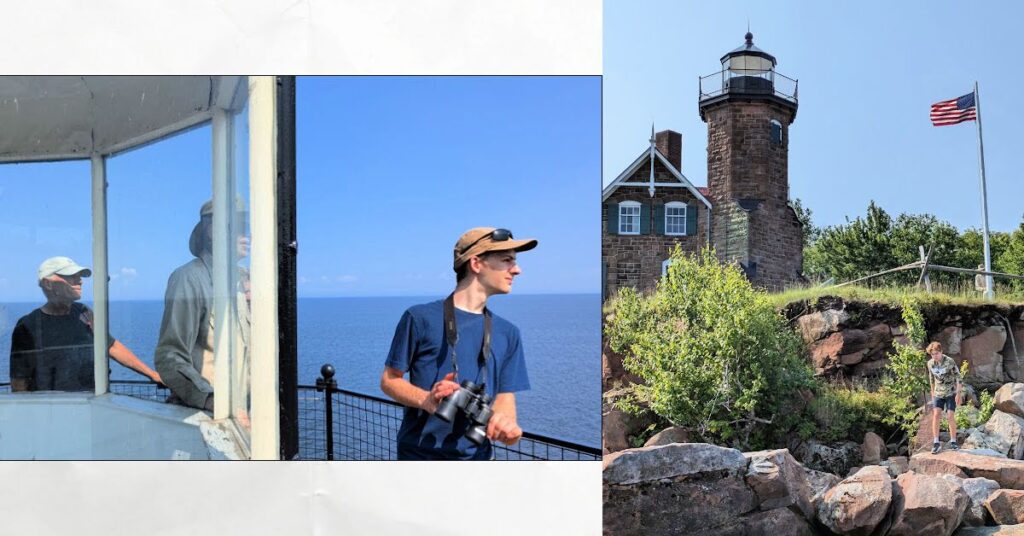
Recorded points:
394,37
278,37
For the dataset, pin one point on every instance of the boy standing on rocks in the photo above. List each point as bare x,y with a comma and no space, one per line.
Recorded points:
944,378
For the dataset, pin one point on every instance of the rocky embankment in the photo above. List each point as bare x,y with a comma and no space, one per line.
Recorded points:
698,489
852,340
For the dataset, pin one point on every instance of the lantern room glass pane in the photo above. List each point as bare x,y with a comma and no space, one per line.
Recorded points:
158,261
749,65
45,338
240,230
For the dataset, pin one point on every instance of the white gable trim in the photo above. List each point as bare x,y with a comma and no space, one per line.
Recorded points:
640,160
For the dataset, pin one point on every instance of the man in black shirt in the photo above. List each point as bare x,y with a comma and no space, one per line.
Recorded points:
51,347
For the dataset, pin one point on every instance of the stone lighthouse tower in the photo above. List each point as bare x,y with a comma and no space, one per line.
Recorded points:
748,108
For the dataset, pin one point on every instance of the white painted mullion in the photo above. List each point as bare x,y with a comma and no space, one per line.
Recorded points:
223,312
266,433
100,289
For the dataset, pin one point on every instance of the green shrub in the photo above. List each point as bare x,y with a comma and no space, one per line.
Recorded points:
842,413
907,378
714,354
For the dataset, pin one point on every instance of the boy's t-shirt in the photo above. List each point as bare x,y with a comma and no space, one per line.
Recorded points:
419,347
945,375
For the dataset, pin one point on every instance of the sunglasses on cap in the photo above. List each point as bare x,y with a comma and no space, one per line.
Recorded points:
497,235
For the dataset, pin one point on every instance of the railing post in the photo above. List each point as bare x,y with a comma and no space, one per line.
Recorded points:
328,384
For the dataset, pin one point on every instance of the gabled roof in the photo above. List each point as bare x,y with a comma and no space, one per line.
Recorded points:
644,158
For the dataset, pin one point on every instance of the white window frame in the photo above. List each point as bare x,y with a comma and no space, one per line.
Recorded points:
639,214
674,205
664,266
782,133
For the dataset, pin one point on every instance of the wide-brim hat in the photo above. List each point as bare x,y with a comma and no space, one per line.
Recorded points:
195,240
61,266
479,240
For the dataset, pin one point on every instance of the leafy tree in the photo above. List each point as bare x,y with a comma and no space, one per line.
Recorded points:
1010,247
910,232
714,354
856,249
810,232
876,242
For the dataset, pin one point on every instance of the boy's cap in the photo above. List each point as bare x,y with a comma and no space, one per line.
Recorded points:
479,241
61,266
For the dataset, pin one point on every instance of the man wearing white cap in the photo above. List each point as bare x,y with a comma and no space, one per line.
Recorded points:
51,347
445,342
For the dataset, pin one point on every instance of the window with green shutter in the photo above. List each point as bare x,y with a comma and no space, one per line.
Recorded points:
691,219
659,219
612,214
645,219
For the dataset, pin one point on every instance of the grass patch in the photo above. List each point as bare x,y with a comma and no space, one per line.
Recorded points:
895,295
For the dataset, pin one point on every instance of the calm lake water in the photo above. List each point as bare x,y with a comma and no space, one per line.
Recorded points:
561,337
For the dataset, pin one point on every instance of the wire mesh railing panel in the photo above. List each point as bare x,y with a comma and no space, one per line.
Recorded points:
312,425
366,428
143,390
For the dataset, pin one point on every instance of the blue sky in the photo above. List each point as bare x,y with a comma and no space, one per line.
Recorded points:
391,170
868,72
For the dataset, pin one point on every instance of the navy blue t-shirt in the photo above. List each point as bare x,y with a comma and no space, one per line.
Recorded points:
420,348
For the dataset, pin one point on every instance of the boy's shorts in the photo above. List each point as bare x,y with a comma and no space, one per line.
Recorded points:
946,403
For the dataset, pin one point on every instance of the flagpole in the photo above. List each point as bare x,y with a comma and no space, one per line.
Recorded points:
989,288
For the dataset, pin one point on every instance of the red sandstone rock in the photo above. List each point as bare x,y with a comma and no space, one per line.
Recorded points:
1002,530
777,522
672,488
950,337
1010,399
873,448
1002,433
618,426
779,481
857,505
982,351
672,434
1008,473
1006,506
978,491
927,505
816,325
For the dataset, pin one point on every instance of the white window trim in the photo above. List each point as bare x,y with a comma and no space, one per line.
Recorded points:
676,204
664,266
640,211
782,133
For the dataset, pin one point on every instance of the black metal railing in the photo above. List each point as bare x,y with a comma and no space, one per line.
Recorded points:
363,427
748,82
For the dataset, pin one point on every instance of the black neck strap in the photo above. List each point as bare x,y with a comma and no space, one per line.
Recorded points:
451,334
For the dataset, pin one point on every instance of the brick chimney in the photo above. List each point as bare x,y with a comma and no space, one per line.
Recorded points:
670,143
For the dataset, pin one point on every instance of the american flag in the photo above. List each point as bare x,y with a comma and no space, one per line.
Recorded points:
953,111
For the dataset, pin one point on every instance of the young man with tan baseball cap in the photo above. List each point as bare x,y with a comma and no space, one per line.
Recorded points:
51,347
487,349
